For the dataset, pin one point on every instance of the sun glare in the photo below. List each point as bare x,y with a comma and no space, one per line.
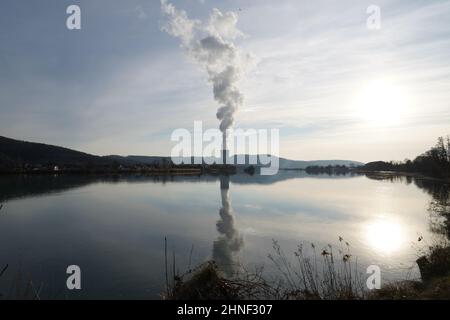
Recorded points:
382,102
385,236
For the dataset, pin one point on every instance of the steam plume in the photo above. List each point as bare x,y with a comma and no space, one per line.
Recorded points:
211,45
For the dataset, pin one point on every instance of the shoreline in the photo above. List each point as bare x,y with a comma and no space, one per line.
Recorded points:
210,171
170,172
387,174
150,172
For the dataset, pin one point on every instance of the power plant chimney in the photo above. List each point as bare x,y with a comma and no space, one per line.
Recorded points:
224,148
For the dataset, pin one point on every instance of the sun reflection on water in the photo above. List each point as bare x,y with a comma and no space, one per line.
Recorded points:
385,236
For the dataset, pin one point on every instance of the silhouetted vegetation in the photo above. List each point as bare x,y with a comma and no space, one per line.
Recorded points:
434,162
16,154
330,276
330,273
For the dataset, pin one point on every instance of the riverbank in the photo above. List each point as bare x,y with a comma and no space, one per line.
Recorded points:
338,280
435,283
393,174
151,171
171,171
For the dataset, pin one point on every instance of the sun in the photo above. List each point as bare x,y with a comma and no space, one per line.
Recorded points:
382,102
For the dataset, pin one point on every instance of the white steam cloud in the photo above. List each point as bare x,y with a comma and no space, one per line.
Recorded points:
211,45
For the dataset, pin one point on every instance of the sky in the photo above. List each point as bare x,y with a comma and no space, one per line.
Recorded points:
334,88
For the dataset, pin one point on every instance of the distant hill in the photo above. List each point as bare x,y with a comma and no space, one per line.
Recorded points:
138,160
13,152
284,163
299,164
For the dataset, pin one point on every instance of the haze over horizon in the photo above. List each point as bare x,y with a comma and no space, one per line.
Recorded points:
335,89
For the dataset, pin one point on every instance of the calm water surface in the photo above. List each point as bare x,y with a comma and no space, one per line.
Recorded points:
114,228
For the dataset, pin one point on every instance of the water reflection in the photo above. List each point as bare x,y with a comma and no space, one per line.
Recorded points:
229,242
385,235
439,205
23,186
112,226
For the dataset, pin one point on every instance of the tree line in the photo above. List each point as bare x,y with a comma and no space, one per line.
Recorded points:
435,162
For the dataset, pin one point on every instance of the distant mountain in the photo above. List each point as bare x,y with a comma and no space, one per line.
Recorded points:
299,164
288,164
13,152
284,163
146,159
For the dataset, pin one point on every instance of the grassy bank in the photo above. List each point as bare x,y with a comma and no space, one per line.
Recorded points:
435,284
334,277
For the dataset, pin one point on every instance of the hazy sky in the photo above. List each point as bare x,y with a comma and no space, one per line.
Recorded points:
334,88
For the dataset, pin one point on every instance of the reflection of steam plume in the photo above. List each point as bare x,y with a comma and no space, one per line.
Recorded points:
211,45
230,241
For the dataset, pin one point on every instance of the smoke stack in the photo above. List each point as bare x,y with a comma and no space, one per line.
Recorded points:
224,148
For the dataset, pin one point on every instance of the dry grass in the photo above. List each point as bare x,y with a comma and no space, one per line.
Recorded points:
330,273
208,283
